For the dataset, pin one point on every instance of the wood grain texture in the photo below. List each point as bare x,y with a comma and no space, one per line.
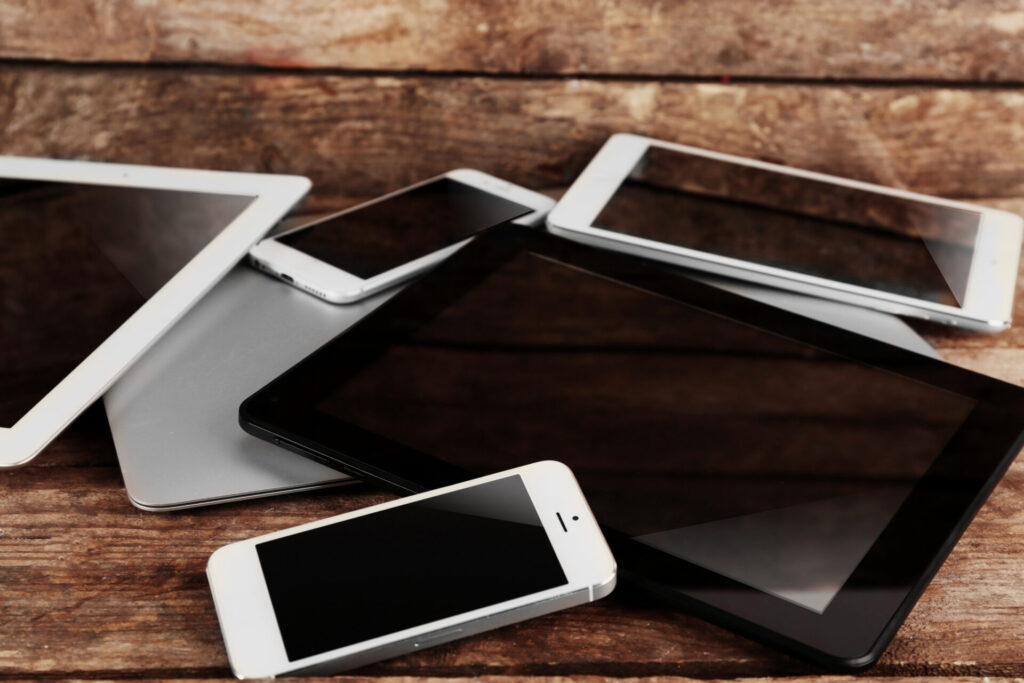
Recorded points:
492,678
366,135
91,585
354,678
873,39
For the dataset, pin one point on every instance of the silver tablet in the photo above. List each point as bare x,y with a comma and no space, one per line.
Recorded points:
97,260
896,251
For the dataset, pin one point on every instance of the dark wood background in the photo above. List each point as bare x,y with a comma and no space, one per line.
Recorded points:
366,96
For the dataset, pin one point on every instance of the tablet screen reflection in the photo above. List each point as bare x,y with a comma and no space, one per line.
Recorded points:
864,238
763,459
77,261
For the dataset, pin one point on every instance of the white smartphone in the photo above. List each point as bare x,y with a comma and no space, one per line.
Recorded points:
353,254
896,251
409,574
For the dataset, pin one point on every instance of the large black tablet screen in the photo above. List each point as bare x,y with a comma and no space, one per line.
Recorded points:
763,459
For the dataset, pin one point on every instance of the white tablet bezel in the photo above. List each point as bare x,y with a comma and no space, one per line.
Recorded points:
340,287
273,196
988,301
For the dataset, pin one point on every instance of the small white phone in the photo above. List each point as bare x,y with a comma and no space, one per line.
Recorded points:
874,246
409,574
358,252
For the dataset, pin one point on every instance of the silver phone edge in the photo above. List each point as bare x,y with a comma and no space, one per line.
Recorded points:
755,275
490,622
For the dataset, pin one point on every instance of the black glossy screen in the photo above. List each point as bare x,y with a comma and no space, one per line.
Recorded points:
769,461
896,245
76,261
382,236
406,566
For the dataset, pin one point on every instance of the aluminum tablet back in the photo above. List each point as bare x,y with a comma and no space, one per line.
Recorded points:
174,415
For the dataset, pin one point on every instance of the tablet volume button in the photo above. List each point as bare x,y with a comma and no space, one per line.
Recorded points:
437,638
302,450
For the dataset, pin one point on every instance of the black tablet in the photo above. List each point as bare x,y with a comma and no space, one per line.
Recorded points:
782,477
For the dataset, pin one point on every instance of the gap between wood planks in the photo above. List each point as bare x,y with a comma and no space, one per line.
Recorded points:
230,68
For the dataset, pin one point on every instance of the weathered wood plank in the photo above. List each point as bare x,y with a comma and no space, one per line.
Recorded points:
933,39
570,679
361,136
1006,364
91,587
573,679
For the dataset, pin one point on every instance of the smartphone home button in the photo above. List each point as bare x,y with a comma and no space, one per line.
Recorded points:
435,638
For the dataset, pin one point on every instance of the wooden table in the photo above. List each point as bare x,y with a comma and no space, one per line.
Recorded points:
366,96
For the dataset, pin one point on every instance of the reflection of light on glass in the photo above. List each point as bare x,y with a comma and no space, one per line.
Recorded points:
803,553
463,550
79,260
687,428
376,238
831,231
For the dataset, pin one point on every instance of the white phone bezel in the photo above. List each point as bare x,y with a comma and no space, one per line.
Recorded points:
251,635
337,286
988,301
273,196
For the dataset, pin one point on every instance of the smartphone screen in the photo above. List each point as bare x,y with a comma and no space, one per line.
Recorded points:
856,236
385,235
409,565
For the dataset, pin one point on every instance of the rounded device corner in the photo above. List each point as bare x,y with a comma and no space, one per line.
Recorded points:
994,326
553,226
346,299
853,663
140,504
245,415
555,465
625,135
215,559
8,440
466,170
605,588
302,182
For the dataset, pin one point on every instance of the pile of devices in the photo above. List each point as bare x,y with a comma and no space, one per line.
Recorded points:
705,343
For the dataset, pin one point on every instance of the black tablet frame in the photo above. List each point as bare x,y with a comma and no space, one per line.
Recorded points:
854,629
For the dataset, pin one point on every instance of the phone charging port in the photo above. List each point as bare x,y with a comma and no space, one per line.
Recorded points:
286,278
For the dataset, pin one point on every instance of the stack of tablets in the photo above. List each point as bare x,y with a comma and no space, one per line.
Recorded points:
761,443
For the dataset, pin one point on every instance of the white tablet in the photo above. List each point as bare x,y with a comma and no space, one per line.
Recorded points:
896,251
96,262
